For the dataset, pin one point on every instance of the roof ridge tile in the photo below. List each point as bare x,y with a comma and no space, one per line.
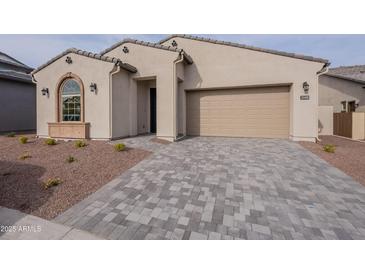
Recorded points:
88,54
140,42
220,42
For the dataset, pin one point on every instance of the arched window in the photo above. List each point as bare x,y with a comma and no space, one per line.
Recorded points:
70,101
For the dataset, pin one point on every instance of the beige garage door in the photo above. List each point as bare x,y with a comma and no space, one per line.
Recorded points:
253,112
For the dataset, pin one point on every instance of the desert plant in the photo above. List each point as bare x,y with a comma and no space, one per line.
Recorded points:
119,147
80,143
70,159
23,140
52,182
329,148
10,134
25,156
50,142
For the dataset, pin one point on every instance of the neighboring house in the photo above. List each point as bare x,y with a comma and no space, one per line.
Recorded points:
343,88
18,96
184,85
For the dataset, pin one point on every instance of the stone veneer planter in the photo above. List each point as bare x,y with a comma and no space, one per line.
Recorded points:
69,130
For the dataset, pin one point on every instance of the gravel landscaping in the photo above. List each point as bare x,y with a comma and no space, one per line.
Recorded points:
349,155
24,169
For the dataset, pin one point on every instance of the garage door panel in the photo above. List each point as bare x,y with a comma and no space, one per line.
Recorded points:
219,126
209,113
237,121
236,101
242,107
249,123
243,133
259,112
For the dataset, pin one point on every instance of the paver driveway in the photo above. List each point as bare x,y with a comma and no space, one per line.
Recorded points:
225,188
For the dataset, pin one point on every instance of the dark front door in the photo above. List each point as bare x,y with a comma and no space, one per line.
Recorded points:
153,110
351,106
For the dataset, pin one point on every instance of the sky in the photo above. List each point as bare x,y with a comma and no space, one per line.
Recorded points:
340,50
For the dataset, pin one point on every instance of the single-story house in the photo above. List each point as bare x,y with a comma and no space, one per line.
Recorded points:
183,85
343,88
18,96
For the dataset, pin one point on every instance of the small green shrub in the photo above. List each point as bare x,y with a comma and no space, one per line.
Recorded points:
70,159
10,134
329,148
25,156
52,182
119,147
23,140
80,143
50,142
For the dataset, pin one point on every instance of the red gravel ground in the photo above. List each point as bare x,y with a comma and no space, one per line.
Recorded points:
348,157
21,181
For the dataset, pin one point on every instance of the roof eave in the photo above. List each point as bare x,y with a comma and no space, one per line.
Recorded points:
16,62
142,43
345,78
128,67
17,65
269,51
96,56
187,58
16,79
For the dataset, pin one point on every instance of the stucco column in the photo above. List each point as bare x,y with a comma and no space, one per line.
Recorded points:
133,108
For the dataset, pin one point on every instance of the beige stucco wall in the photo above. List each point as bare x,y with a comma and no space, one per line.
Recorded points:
219,66
332,91
325,120
181,109
152,63
142,108
120,104
96,104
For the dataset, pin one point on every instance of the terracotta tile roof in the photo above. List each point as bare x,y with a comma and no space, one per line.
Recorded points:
282,53
116,61
188,58
351,73
16,76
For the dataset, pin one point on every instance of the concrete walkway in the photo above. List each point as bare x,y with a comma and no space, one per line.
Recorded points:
15,225
225,188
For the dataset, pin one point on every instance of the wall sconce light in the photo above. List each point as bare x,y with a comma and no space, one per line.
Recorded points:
68,60
93,87
306,87
125,50
174,43
45,91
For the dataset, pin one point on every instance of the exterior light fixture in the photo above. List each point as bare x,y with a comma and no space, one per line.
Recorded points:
93,87
68,60
125,50
45,91
306,87
174,44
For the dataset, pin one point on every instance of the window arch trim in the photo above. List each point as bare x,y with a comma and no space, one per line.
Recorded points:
60,85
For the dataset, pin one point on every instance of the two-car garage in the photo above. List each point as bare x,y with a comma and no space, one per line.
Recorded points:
239,112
